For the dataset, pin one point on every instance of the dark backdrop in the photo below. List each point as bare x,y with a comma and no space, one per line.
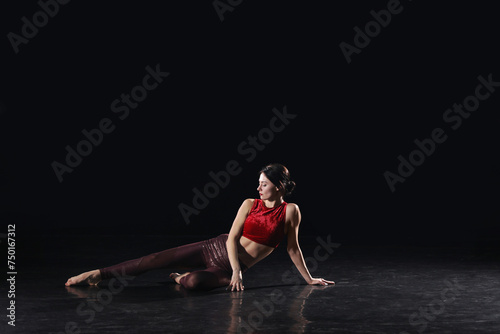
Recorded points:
352,120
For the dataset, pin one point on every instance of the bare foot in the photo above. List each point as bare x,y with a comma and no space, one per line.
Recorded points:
92,277
177,277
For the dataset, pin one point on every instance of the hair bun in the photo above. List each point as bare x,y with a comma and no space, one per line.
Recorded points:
289,187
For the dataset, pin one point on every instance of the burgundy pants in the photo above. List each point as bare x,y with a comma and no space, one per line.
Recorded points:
211,254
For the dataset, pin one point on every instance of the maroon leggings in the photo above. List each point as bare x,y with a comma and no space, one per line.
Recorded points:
211,254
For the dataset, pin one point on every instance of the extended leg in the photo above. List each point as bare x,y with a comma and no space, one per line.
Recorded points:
190,255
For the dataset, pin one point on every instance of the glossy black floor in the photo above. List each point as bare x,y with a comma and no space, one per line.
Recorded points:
379,289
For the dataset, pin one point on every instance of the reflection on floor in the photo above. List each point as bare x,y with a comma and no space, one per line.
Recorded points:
378,290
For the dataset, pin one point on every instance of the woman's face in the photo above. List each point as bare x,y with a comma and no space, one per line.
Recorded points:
267,190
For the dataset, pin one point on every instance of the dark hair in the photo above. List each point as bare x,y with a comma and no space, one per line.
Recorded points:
280,177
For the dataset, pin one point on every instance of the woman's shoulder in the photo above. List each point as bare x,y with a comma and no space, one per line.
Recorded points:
292,210
249,203
292,213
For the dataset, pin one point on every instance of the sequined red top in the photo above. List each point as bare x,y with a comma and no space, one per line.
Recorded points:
265,225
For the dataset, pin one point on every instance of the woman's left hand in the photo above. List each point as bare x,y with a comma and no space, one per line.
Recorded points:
321,281
236,281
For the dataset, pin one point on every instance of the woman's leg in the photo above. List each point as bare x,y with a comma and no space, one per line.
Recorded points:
190,255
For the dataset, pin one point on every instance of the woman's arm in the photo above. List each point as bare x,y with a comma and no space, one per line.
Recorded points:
232,244
293,247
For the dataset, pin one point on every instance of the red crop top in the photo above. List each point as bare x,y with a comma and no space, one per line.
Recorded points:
265,225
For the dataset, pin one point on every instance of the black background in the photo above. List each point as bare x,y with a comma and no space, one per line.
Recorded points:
353,120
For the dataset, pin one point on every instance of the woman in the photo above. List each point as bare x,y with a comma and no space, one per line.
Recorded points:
257,230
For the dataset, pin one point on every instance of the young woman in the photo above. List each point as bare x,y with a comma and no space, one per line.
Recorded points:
257,230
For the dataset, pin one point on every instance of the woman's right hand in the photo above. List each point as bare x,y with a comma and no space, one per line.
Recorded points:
236,281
